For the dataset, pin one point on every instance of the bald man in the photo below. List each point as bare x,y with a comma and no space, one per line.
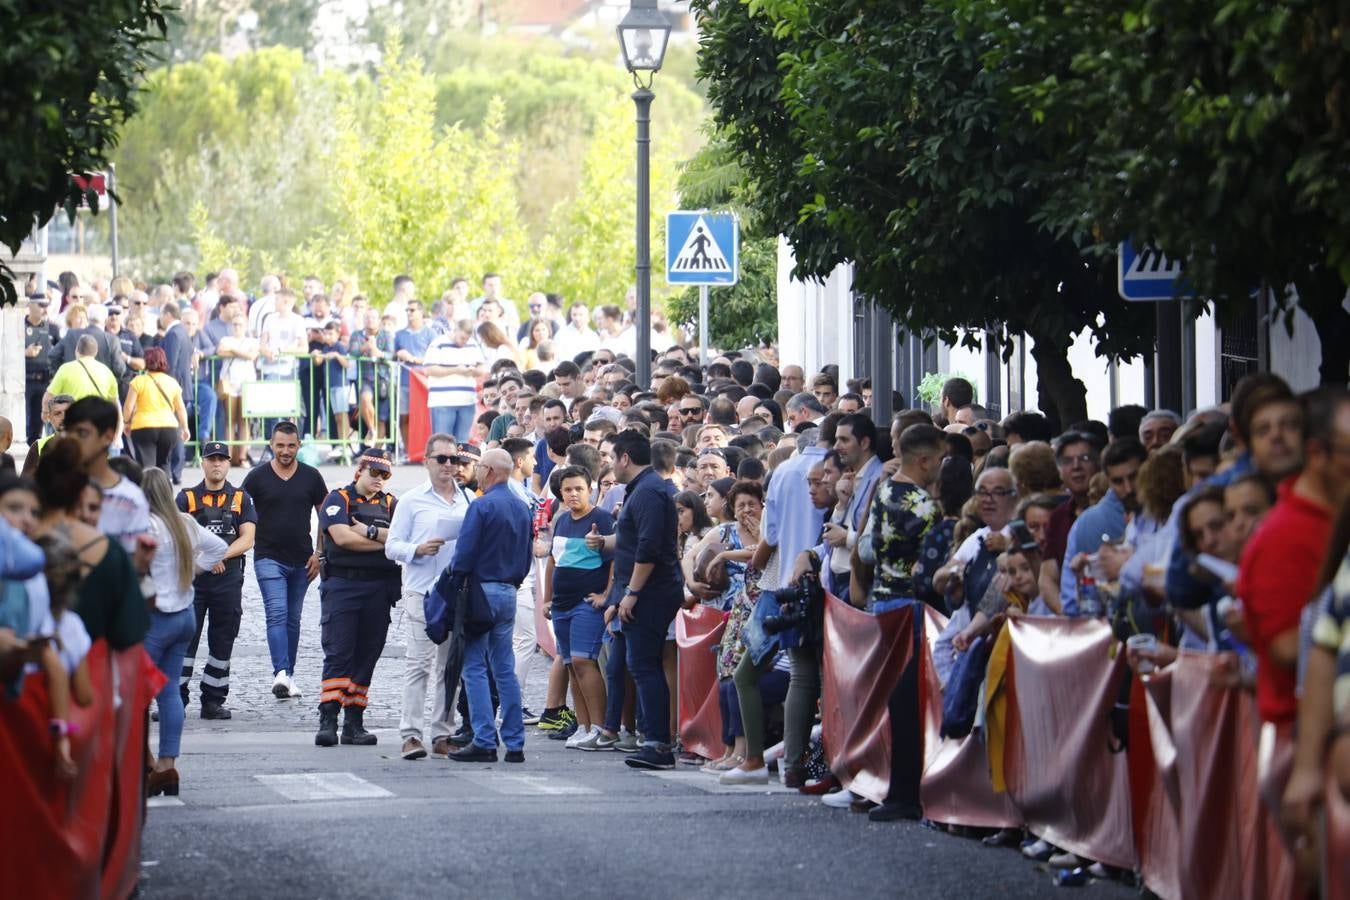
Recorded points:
494,551
6,434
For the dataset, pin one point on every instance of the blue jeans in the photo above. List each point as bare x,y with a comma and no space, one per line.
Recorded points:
616,686
167,642
203,409
283,593
494,650
454,420
646,639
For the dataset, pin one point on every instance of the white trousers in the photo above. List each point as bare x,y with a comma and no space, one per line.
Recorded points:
424,661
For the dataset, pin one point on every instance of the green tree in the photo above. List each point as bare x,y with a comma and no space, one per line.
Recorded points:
1216,132
874,134
69,75
203,27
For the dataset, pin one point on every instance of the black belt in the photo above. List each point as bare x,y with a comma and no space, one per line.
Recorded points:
331,571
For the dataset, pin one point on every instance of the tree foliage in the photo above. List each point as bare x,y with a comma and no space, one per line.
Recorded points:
69,75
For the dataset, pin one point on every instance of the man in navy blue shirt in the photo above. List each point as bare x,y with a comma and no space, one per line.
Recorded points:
495,548
647,587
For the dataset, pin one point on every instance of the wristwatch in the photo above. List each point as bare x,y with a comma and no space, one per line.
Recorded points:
373,532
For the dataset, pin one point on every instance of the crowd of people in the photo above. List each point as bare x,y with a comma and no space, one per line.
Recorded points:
739,483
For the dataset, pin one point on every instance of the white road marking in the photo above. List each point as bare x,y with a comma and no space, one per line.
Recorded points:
526,785
164,800
710,785
312,786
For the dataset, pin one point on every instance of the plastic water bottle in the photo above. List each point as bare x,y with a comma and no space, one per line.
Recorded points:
1089,601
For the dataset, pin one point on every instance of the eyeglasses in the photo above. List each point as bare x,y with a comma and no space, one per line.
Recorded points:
381,474
691,410
443,458
996,494
1082,459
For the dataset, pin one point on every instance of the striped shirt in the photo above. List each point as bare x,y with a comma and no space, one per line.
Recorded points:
452,390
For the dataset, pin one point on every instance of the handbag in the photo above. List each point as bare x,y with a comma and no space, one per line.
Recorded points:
713,575
961,697
456,603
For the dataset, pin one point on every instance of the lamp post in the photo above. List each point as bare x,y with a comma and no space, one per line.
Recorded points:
643,35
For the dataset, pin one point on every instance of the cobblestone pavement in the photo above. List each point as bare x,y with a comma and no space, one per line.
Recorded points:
251,699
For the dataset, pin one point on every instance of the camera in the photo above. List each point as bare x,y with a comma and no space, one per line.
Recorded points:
795,606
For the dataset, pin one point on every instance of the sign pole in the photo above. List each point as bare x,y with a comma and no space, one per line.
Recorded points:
703,323
112,213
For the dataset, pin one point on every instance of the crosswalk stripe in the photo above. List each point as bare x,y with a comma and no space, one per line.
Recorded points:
164,800
710,785
313,786
526,785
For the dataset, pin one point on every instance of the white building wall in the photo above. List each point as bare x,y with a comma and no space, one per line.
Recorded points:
815,319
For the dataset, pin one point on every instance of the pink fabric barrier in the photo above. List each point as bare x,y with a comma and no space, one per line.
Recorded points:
956,789
864,656
543,627
1072,791
697,634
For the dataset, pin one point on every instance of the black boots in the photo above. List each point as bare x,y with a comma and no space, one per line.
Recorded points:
327,735
352,730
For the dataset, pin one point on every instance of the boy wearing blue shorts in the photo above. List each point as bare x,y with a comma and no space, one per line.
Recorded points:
576,584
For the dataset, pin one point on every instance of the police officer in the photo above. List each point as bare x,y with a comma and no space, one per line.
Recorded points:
225,511
39,337
359,586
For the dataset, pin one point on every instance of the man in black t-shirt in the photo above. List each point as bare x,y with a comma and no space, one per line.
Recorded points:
227,512
360,585
284,490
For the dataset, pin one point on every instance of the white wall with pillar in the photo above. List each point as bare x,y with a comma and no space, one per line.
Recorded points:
815,319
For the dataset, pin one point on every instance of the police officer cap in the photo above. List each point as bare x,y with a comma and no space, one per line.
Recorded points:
470,452
215,448
375,458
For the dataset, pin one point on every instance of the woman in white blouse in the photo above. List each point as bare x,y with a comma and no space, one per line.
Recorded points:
185,548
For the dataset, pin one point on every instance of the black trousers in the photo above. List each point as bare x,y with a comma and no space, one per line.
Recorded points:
353,627
32,407
906,727
153,446
221,599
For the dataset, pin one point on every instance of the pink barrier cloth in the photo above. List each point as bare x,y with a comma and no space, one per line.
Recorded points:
1071,789
864,656
543,626
956,788
697,634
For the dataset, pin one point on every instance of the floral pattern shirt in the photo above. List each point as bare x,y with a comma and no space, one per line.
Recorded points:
902,514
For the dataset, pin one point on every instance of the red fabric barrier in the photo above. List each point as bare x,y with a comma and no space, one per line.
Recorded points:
80,839
864,656
956,789
543,627
697,634
419,416
1071,790
1215,838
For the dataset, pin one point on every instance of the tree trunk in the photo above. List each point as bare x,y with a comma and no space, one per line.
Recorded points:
1063,398
1322,295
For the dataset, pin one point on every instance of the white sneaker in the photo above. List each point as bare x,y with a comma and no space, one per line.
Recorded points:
290,686
745,776
840,799
773,754
578,737
280,689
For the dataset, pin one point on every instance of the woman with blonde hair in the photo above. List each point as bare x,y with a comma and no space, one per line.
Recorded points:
495,343
184,549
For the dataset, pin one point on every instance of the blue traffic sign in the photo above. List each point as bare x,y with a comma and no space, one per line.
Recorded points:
702,248
1146,274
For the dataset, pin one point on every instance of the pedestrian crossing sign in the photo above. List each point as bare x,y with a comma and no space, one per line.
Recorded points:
702,248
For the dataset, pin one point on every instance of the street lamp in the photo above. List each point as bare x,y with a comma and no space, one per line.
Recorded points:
643,35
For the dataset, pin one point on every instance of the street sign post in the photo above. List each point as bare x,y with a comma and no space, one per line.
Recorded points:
1144,274
702,248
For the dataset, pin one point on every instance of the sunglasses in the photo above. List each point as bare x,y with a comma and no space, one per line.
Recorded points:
442,458
380,473
692,411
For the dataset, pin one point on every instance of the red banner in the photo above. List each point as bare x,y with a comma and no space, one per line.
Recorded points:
698,632
80,838
956,788
419,416
1062,685
864,657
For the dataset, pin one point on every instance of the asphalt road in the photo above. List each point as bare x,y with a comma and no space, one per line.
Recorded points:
264,813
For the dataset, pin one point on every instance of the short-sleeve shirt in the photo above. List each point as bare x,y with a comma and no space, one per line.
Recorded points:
248,514
284,507
1276,578
579,571
1331,632
86,377
336,371
416,343
155,394
336,509
282,335
902,514
125,514
453,390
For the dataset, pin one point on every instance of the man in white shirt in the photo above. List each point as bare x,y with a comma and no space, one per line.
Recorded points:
576,336
613,335
453,364
282,333
422,538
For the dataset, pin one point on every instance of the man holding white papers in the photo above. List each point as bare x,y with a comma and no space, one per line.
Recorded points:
422,537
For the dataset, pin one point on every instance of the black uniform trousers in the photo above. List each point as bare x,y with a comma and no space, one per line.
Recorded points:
33,390
220,598
353,627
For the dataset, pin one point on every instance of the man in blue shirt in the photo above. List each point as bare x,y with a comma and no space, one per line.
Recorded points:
410,347
647,587
494,548
1106,520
